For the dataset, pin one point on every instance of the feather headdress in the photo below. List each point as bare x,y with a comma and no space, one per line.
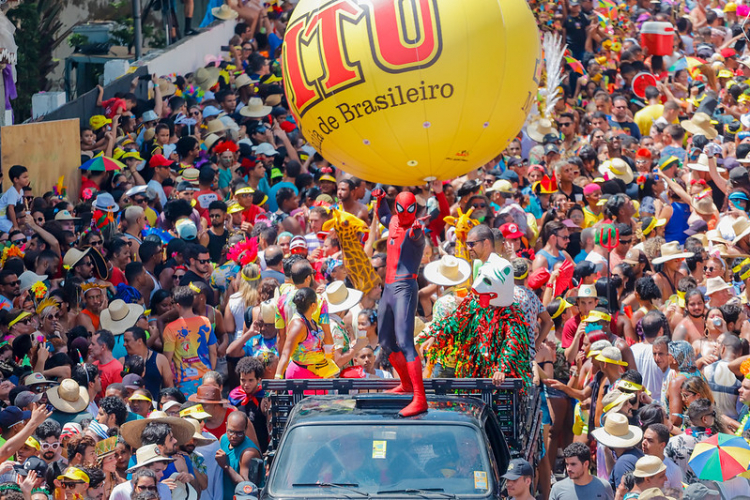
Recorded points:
245,252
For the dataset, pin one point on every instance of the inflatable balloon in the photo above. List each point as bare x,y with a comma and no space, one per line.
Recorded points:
407,92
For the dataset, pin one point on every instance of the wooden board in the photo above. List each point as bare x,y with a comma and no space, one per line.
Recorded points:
48,150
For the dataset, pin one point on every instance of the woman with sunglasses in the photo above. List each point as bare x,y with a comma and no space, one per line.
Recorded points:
19,323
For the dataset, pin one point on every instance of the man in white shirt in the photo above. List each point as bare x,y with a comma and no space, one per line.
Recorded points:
147,473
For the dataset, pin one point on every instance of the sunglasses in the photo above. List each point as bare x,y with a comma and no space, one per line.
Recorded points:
40,388
472,244
50,446
710,269
13,283
626,242
177,276
138,200
53,317
196,113
146,488
565,238
96,243
40,220
479,205
215,216
19,241
566,124
203,261
71,484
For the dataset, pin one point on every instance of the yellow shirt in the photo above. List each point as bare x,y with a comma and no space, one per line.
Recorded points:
590,218
647,116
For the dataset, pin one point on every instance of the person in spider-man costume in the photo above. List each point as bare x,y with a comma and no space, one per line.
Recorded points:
398,304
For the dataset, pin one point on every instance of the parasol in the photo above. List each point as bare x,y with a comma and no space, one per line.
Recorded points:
102,164
720,457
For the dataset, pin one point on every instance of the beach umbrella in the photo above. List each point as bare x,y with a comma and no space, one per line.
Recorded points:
102,164
720,457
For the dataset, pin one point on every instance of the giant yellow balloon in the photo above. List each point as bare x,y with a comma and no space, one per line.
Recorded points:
407,91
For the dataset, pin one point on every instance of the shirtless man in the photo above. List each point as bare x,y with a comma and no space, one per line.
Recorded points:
345,194
95,300
692,327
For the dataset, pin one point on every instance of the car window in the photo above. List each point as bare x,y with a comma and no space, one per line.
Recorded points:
375,458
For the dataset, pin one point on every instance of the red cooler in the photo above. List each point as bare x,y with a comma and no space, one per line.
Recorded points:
657,37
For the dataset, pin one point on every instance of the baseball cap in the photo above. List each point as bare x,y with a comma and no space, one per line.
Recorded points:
25,398
698,491
265,149
149,116
32,464
502,186
518,468
11,416
550,139
210,111
159,161
516,161
298,245
551,148
511,230
510,175
245,490
133,381
186,229
185,186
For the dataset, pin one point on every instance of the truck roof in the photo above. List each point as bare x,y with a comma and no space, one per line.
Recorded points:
385,407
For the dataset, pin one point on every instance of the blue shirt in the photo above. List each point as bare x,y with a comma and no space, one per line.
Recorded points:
257,344
171,468
272,206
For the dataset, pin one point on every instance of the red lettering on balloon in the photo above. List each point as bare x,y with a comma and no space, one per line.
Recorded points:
401,39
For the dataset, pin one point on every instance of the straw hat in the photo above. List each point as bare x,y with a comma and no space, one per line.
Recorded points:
702,165
210,140
147,455
242,81
657,494
539,128
120,316
166,88
215,126
617,168
182,491
106,447
700,124
200,439
613,401
255,108
716,284
715,235
448,271
616,432
131,431
584,292
703,204
74,256
649,466
206,78
68,397
741,229
671,251
340,298
225,12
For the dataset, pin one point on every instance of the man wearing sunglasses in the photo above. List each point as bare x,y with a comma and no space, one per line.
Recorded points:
10,288
556,238
48,435
199,265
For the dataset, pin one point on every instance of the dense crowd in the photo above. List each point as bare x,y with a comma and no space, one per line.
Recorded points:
211,247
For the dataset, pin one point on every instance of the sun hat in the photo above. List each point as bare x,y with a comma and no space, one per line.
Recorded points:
68,397
671,251
703,204
716,284
196,412
537,129
245,490
28,278
166,87
75,474
73,256
243,80
340,298
616,432
98,121
65,215
208,394
37,379
700,124
206,78
584,292
597,347
741,229
182,491
181,430
614,400
611,355
255,108
120,316
448,271
225,12
106,203
702,165
649,466
657,494
215,126
148,454
149,116
200,439
617,168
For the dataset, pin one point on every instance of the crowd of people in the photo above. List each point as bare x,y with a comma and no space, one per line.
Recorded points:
211,247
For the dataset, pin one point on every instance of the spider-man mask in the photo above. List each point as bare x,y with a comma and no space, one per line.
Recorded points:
406,208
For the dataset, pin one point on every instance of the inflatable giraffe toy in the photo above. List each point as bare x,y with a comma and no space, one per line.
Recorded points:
463,223
348,228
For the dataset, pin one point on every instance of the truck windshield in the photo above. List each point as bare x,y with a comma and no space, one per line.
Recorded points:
448,458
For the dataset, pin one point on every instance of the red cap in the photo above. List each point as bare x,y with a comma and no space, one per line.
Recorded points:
158,161
510,230
644,153
728,52
538,278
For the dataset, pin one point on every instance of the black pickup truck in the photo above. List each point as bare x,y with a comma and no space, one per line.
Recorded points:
347,440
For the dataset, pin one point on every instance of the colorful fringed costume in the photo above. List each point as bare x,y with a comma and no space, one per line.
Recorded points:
488,332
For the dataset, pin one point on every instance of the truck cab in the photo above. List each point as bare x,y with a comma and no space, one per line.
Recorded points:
355,445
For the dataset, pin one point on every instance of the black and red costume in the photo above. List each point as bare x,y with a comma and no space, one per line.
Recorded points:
398,305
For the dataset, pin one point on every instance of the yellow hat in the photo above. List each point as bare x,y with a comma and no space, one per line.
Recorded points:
730,7
725,73
595,316
244,190
118,153
197,412
327,177
75,474
33,443
234,208
139,397
98,121
132,154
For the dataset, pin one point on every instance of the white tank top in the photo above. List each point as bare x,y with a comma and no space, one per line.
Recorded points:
237,306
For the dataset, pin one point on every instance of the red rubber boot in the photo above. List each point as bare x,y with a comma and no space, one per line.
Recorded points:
419,401
398,361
